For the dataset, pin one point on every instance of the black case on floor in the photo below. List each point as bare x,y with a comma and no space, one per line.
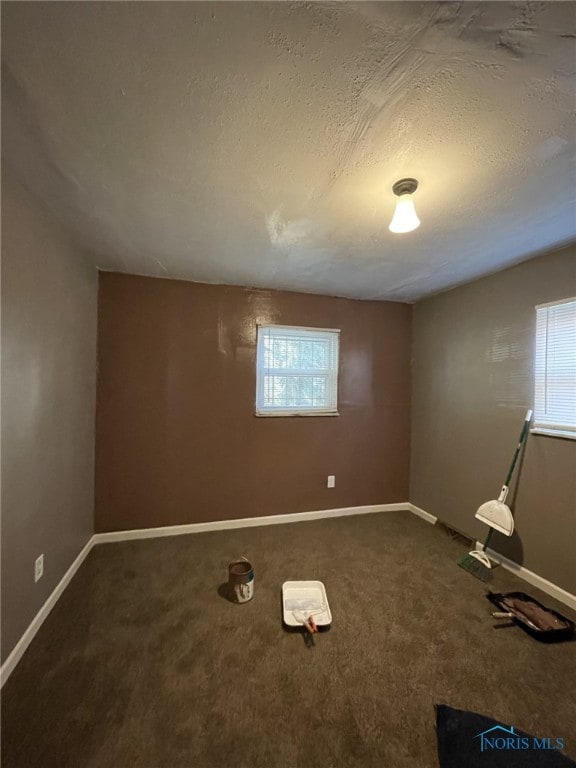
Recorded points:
544,635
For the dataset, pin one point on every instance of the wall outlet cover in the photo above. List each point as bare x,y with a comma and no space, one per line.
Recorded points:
38,568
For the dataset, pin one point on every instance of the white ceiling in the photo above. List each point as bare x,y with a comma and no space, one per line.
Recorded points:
257,143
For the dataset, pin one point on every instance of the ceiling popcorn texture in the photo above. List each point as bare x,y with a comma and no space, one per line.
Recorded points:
257,143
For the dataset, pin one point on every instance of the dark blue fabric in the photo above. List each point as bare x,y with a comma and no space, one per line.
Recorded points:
459,746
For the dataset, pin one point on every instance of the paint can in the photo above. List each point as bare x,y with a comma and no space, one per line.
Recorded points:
241,580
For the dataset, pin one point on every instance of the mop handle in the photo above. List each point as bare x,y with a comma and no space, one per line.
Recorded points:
519,447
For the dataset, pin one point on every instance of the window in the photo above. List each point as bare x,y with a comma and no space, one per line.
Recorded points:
296,371
555,391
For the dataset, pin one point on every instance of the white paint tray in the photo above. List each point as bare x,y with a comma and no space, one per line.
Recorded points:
310,598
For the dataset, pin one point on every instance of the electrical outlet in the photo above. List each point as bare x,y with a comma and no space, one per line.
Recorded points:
331,481
39,568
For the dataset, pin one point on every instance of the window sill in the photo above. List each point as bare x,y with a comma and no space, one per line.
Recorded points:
297,414
553,433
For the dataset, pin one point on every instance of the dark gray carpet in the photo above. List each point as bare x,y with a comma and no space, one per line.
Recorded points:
143,663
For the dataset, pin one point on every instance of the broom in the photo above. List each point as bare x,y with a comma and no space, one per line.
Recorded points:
477,562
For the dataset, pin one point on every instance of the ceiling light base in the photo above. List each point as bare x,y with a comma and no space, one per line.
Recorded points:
405,187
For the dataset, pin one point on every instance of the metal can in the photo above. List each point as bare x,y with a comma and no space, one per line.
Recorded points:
241,580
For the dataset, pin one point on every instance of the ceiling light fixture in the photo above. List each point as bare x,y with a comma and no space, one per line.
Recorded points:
405,218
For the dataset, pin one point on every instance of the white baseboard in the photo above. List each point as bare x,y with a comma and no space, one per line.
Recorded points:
247,522
423,514
532,578
8,667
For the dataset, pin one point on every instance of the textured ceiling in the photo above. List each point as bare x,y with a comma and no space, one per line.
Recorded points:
257,143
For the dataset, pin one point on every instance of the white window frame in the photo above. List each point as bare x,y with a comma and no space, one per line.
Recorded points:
545,422
331,375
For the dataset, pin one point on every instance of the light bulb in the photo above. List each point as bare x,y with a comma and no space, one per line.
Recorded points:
405,218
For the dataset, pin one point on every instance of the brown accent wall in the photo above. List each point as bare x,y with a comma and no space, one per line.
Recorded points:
49,302
177,438
473,380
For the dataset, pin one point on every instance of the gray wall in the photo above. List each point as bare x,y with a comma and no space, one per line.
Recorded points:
49,299
473,358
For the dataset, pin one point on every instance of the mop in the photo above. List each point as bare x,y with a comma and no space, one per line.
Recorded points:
497,515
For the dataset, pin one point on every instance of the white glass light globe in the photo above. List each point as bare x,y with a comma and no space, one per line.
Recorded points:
405,218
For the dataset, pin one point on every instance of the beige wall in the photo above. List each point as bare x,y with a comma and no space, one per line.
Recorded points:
473,358
177,439
49,294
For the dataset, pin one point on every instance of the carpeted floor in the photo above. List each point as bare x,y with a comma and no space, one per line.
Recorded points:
144,663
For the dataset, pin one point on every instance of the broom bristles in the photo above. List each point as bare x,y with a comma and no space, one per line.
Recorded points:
475,567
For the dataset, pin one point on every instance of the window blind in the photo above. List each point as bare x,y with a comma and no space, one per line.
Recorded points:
296,371
555,370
